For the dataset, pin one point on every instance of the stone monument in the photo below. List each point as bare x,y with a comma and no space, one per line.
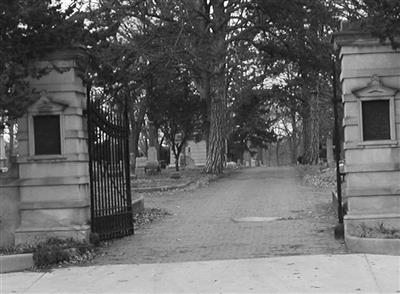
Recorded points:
53,155
370,80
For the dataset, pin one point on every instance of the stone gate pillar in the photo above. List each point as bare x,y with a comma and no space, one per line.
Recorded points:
53,155
370,80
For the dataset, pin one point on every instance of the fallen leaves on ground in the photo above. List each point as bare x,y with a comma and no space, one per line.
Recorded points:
313,175
148,216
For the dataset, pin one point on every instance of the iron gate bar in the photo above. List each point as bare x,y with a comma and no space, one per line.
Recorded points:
92,187
127,157
337,143
111,206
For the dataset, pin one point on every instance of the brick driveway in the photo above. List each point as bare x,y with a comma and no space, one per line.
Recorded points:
206,224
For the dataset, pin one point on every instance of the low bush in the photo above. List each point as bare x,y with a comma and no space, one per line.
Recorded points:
379,231
148,216
55,251
318,176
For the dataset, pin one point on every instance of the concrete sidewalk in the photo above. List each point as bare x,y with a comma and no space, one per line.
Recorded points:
353,273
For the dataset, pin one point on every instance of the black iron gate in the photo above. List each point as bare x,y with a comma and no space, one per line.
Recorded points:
111,205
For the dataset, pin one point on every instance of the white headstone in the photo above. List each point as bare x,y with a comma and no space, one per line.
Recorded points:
152,154
329,151
3,159
2,147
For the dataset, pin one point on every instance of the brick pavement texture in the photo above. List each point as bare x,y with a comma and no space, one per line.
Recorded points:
204,226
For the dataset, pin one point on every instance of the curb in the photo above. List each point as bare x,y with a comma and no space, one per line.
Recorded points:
373,245
162,188
15,262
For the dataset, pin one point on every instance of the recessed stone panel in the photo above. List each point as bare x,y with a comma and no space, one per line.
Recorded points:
53,168
372,156
48,218
9,214
373,204
365,180
55,193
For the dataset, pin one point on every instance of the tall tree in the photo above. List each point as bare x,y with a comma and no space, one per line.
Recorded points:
124,62
297,31
201,34
378,17
253,123
208,25
176,109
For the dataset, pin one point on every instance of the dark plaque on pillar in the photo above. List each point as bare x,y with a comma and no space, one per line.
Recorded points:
376,120
47,134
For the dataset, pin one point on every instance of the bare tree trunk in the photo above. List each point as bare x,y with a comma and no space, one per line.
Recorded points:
153,139
203,85
259,156
205,15
293,141
177,162
269,154
208,123
12,141
136,125
277,153
160,146
215,156
176,150
134,140
305,115
311,130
